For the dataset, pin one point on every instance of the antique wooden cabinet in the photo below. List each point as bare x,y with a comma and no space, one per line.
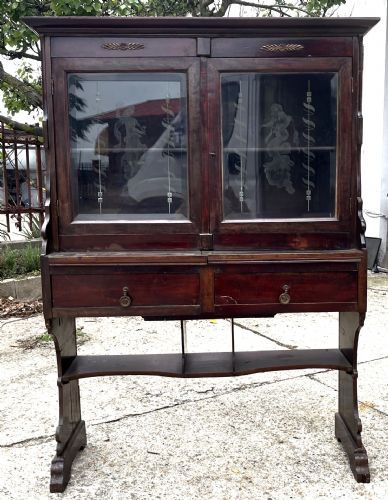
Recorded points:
202,168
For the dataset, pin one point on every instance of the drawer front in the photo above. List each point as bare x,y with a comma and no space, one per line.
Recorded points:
282,47
144,290
123,47
286,290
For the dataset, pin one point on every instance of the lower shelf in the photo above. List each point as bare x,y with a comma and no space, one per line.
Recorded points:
206,364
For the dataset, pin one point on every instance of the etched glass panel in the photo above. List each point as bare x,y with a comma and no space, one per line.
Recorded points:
128,134
279,145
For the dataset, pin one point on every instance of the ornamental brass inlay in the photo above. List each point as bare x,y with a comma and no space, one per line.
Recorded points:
283,47
123,45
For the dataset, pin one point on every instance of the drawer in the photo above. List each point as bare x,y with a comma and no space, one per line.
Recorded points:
123,47
281,47
282,291
145,290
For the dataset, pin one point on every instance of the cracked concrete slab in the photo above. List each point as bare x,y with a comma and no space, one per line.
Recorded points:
372,395
268,435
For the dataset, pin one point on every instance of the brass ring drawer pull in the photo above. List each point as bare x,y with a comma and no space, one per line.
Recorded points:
125,300
285,298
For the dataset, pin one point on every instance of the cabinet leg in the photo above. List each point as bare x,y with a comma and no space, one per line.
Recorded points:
71,431
348,425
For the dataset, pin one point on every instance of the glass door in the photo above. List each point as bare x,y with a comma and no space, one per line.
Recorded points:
128,137
128,146
282,158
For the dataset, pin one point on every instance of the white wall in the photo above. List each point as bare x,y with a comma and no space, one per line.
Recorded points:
374,155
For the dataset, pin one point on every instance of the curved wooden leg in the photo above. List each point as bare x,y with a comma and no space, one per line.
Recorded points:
62,462
348,425
71,431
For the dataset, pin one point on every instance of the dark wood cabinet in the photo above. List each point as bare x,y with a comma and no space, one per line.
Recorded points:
202,168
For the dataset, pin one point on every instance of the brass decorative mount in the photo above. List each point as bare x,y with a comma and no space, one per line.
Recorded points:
123,45
282,47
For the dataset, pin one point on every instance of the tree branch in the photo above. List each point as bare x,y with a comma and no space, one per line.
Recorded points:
14,54
204,7
33,97
245,3
24,127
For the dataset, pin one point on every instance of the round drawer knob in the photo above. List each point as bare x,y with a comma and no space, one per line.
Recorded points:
285,298
125,300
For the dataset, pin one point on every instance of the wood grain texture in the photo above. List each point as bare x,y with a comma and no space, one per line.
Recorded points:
207,364
70,433
201,25
265,288
357,455
94,47
267,47
348,425
155,289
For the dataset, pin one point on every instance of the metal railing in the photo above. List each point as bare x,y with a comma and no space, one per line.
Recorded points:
22,178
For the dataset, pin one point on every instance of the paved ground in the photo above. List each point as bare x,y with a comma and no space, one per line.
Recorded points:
265,436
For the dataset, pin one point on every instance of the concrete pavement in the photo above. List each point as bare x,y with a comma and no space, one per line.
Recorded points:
263,436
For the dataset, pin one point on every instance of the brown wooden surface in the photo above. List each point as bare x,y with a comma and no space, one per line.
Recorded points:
220,283
336,26
94,47
149,258
280,238
106,290
50,226
164,312
208,364
265,288
348,425
70,433
255,47
219,257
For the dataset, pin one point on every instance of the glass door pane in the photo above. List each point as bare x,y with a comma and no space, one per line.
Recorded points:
128,135
279,139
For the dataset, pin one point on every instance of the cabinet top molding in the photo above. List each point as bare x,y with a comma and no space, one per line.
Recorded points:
337,26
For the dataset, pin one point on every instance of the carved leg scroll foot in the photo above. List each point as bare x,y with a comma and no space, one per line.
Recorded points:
348,425
61,464
71,431
357,455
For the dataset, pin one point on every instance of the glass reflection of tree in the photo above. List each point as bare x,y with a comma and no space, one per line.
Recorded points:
78,128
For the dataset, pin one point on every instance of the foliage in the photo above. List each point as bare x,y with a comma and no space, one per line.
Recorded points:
31,232
16,262
17,42
82,336
314,8
4,235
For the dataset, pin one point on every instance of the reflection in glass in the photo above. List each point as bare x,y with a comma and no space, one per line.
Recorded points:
128,145
279,145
